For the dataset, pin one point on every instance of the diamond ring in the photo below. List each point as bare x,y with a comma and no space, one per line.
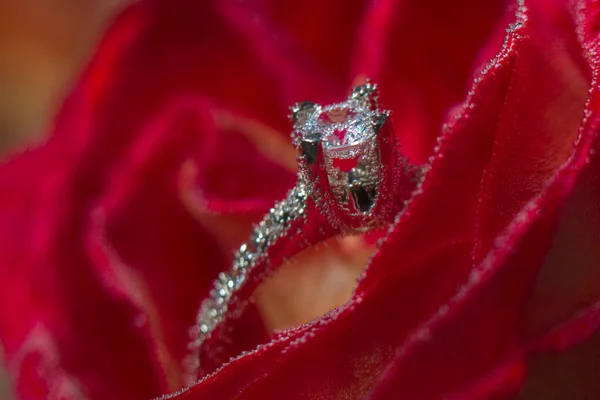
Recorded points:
352,178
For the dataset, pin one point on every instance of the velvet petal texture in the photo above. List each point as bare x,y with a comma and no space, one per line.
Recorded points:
174,140
106,249
477,263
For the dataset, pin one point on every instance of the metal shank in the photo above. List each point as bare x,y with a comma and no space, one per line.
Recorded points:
351,178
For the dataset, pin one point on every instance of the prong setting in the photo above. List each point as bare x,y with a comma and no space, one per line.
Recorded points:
379,120
339,146
310,150
301,112
366,94
350,179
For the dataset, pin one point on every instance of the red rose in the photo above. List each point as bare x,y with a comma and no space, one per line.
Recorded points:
174,140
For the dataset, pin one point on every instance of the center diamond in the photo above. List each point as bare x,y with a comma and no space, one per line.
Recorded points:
343,140
342,127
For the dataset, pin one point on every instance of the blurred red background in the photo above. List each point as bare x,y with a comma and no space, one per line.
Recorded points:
43,45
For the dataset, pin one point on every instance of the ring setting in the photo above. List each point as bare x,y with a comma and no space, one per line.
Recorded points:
351,178
343,156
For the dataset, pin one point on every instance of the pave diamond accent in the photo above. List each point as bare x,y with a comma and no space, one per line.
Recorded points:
349,171
212,311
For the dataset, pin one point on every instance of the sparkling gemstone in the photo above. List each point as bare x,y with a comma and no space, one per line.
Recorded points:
342,127
348,134
238,277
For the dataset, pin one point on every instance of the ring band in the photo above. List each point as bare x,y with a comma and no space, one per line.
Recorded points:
351,178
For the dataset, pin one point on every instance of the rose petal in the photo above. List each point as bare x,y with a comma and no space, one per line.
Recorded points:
140,228
425,348
424,67
572,374
494,294
58,299
97,160
340,346
537,125
329,41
